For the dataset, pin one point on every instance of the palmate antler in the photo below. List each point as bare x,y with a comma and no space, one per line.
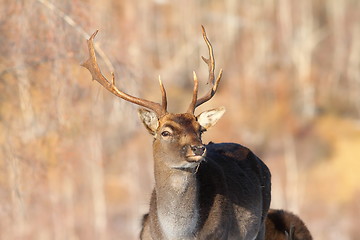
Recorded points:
211,63
93,67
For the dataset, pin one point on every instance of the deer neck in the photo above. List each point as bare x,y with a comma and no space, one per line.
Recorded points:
177,201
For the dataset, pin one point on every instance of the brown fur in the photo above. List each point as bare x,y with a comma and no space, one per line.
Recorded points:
230,189
282,225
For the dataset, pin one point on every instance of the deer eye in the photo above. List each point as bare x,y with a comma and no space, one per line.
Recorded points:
166,134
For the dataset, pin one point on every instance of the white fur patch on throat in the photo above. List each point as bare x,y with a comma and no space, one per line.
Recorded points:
178,211
175,228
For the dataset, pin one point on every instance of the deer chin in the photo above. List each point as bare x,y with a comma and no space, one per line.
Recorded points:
194,158
191,163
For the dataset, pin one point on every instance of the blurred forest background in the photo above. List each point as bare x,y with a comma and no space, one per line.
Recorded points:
76,162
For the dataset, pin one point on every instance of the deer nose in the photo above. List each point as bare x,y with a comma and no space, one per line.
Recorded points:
198,150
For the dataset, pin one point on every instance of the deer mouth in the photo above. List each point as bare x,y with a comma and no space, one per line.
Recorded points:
191,164
194,158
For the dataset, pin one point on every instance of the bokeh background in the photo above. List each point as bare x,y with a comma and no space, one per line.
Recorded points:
75,162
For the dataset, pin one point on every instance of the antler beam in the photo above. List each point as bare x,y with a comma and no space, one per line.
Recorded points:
93,67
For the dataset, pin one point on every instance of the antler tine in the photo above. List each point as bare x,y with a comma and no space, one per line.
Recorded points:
211,64
209,61
192,106
96,74
211,93
163,94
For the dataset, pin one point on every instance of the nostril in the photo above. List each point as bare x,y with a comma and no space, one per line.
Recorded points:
202,149
198,150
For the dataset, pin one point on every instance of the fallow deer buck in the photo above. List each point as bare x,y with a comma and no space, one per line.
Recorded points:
214,191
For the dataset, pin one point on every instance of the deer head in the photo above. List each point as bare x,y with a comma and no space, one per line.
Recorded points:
177,137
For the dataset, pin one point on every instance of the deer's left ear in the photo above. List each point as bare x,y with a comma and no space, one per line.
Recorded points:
208,118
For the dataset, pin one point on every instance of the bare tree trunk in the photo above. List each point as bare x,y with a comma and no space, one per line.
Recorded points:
68,186
286,24
353,68
18,230
292,174
97,185
305,40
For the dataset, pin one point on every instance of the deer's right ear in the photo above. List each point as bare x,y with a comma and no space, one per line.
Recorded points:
149,119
